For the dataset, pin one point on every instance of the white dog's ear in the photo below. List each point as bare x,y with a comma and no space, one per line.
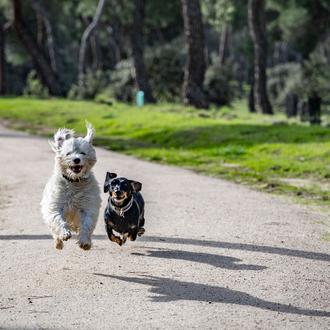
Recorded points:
90,133
60,136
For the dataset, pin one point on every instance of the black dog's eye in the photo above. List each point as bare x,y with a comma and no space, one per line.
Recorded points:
114,182
83,153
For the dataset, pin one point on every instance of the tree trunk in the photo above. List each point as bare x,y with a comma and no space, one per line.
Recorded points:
44,70
84,40
41,13
2,60
141,76
40,30
251,103
96,52
257,26
195,64
303,111
291,105
314,109
223,44
114,46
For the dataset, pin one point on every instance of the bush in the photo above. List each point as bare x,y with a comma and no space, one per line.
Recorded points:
92,84
34,87
122,85
219,84
283,81
302,87
164,67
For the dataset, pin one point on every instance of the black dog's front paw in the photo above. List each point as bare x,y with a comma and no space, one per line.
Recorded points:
116,239
141,231
111,236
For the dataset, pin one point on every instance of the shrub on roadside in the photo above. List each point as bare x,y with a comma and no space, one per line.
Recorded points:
92,84
219,84
165,68
164,65
34,87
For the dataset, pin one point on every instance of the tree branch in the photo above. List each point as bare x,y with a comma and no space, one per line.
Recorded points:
85,37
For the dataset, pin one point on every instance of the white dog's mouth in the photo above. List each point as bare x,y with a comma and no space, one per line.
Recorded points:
76,169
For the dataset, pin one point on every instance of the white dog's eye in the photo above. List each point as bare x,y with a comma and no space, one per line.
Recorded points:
69,153
82,153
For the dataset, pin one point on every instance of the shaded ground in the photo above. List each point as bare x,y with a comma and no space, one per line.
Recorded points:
215,254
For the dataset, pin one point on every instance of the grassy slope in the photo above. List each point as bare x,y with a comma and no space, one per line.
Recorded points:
230,143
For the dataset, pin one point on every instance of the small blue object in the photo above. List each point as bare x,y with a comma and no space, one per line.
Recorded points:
140,98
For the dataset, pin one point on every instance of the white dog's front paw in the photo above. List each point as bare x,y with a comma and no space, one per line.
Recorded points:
58,244
65,235
85,244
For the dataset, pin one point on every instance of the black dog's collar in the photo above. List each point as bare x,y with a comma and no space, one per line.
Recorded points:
72,180
121,210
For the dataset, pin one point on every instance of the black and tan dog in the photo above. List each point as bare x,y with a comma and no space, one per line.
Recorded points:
125,210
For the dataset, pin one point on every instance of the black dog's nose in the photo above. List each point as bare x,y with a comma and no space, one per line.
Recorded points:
118,193
76,160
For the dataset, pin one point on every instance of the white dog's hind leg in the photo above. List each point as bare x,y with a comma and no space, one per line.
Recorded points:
87,225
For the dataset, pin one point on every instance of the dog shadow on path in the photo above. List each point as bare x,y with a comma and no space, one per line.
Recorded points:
193,241
167,290
204,258
240,246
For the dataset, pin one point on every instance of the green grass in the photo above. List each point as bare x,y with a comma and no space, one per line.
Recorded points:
265,152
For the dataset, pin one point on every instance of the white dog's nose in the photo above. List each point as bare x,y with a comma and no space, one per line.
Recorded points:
76,160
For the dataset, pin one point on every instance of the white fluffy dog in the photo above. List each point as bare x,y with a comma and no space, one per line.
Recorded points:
71,199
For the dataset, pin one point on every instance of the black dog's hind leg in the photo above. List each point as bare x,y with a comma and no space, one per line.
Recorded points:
112,237
141,230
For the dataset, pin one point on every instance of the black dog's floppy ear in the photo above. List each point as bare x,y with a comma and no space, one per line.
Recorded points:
137,186
107,181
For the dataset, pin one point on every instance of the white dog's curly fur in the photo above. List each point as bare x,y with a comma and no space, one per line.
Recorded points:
71,199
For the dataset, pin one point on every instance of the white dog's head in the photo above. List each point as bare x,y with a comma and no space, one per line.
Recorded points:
75,156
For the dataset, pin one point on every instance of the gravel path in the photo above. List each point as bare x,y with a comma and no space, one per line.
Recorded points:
215,255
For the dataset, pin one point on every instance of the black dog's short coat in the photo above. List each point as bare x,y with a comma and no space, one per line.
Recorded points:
126,217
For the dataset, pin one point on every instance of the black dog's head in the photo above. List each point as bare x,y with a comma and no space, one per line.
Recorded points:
120,188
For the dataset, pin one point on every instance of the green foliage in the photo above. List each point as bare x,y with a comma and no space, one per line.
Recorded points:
302,24
219,84
164,16
34,87
284,80
316,72
93,83
121,85
164,65
165,69
218,12
292,22
310,77
302,27
250,148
